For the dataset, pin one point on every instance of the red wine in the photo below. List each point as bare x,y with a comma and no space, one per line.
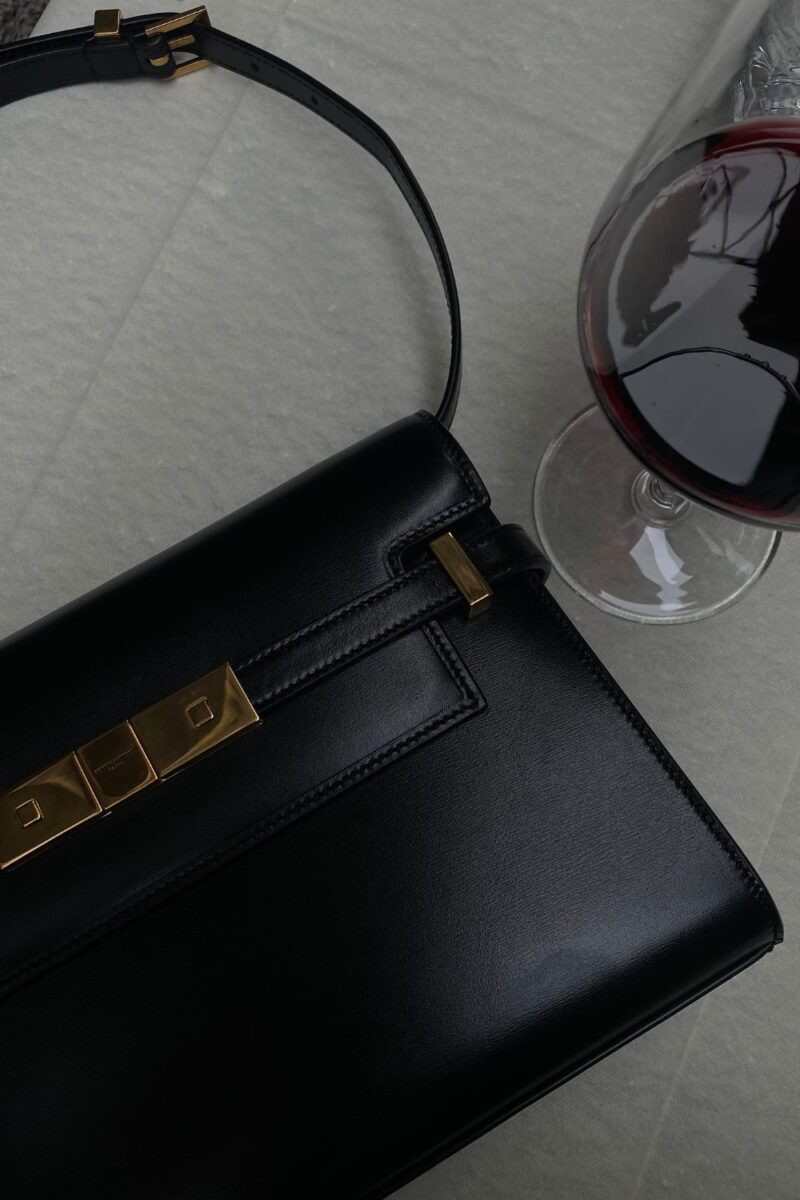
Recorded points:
690,320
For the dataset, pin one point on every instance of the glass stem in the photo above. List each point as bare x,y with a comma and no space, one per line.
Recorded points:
655,503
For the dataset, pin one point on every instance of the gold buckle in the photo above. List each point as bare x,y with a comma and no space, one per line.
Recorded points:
107,23
462,570
193,16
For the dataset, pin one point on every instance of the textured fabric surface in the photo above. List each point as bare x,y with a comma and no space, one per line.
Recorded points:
206,290
18,17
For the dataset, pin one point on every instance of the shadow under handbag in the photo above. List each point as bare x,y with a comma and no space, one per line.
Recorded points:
309,878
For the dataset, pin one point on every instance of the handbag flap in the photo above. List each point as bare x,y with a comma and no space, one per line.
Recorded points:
232,594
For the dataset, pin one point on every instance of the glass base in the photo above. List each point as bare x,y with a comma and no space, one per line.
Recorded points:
630,545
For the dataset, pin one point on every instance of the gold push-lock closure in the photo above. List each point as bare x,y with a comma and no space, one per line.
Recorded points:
107,23
122,762
43,808
160,740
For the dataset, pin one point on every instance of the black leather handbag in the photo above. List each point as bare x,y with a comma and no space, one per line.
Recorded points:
308,877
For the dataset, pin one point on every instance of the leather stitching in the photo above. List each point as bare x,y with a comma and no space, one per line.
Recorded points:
668,764
383,591
471,701
340,614
454,452
438,521
447,653
342,656
478,498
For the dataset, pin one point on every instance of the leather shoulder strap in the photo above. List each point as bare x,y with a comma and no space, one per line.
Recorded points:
146,46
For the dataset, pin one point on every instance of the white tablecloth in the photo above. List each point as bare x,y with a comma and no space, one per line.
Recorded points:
205,290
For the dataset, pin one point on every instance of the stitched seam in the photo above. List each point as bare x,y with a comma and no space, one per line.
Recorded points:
434,522
466,470
447,653
342,656
263,829
382,592
479,497
670,767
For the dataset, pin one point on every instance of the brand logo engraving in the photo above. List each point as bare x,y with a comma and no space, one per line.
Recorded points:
115,763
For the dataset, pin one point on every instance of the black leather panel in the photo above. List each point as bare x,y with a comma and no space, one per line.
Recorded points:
346,1003
120,649
273,674
103,873
235,593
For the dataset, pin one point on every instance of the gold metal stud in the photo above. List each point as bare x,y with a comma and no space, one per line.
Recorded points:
107,22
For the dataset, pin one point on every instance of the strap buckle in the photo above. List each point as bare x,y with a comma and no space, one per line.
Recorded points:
107,27
193,16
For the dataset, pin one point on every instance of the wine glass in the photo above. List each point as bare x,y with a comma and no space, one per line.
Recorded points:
689,327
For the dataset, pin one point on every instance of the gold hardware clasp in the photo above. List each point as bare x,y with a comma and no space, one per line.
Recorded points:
44,807
127,759
465,575
193,16
194,720
116,765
